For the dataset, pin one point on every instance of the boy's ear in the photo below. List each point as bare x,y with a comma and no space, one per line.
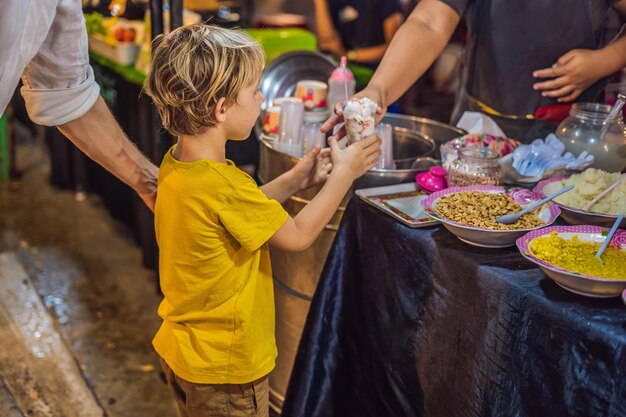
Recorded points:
220,110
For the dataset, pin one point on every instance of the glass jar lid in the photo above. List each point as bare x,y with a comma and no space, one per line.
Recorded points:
478,154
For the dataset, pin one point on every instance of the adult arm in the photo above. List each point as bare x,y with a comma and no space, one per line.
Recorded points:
578,69
100,137
373,54
60,90
413,49
329,39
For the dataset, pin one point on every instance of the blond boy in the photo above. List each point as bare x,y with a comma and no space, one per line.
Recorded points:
213,223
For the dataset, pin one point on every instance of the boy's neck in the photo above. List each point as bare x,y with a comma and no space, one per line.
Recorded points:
209,145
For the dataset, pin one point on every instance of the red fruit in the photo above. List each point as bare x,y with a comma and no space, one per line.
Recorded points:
119,34
129,35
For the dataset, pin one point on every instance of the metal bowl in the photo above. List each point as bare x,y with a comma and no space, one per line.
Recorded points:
281,76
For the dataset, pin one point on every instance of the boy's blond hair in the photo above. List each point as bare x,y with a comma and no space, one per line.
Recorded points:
193,67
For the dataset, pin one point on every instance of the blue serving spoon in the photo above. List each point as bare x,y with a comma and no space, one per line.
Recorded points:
512,218
608,238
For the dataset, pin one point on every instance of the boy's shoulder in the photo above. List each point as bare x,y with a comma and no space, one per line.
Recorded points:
233,175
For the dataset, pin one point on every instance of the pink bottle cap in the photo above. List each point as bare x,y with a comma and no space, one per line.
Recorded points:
433,180
338,73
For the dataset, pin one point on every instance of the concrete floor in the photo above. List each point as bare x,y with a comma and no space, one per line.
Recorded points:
87,272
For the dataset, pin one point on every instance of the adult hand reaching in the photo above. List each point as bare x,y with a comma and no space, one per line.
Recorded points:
337,116
572,74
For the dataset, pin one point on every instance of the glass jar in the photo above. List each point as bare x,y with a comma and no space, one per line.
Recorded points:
582,131
475,166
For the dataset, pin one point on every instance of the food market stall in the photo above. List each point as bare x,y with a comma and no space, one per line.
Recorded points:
414,322
412,318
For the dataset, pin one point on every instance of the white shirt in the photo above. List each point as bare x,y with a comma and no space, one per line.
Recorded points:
45,43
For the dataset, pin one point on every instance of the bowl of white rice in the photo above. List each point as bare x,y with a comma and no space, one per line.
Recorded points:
587,185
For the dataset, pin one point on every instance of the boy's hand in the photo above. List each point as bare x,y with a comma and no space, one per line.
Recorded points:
356,159
572,74
313,169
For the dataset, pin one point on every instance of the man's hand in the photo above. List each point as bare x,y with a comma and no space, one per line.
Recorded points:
313,169
572,74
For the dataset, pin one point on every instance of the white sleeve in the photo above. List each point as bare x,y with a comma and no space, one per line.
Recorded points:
59,85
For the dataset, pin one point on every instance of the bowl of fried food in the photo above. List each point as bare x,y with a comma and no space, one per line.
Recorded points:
566,254
470,213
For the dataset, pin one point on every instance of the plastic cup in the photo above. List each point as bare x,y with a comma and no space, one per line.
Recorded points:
314,95
271,120
289,140
385,132
312,137
359,118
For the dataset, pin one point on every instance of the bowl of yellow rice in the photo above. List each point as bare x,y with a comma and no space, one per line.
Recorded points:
566,254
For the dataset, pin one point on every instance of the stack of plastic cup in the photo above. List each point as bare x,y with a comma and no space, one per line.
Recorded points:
289,140
385,133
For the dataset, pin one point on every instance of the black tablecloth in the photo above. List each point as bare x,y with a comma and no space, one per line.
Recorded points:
414,322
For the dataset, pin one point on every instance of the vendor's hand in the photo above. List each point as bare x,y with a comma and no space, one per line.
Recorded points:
313,169
332,45
572,74
337,116
357,158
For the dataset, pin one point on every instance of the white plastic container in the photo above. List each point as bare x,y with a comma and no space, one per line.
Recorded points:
123,53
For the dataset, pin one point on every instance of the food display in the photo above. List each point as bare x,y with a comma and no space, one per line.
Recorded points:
588,185
481,209
579,256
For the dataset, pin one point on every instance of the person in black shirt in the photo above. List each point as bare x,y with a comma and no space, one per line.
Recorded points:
359,29
512,46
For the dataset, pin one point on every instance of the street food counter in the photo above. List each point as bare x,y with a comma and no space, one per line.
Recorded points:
414,322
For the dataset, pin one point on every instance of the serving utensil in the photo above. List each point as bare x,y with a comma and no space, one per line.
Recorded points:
603,193
608,238
617,107
513,217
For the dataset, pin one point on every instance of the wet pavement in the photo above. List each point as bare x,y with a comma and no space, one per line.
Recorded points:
87,272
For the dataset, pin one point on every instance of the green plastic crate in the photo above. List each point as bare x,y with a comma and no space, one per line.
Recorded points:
277,42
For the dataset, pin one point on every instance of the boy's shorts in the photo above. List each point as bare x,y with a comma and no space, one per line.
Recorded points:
209,400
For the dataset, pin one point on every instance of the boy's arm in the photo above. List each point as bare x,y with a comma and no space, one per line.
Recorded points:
309,171
298,233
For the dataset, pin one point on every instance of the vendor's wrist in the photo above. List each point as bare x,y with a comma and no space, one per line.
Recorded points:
352,55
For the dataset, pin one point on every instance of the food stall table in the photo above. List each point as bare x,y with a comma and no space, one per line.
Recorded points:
414,322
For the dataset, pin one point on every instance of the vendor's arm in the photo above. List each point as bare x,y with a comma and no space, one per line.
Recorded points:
578,69
299,232
311,170
328,38
375,53
416,45
60,90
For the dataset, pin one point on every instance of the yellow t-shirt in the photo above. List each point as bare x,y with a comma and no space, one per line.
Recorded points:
212,226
